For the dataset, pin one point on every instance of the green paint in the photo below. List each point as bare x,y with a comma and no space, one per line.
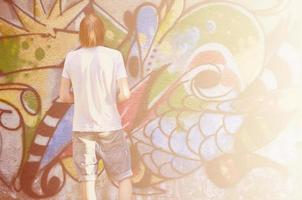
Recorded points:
164,107
9,79
177,96
39,53
29,62
194,103
25,45
160,84
172,114
9,54
118,33
226,18
26,75
30,100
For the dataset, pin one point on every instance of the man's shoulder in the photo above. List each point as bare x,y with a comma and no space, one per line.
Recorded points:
107,50
71,53
111,50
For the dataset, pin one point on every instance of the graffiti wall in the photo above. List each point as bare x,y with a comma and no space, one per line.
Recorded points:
215,107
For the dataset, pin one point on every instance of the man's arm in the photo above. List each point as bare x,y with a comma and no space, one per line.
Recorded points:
65,96
124,92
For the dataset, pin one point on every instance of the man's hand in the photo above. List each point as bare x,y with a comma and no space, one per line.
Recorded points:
124,92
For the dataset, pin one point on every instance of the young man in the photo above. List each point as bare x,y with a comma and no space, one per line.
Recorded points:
94,72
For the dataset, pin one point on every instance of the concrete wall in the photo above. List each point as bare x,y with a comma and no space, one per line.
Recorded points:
215,111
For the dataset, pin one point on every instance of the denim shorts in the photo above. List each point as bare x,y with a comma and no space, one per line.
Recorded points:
111,147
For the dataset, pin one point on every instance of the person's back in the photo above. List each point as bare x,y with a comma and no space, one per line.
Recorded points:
94,73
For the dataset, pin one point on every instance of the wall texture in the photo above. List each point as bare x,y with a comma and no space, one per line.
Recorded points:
215,111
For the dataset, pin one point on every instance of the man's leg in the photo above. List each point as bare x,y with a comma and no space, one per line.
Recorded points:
88,190
125,189
85,162
116,156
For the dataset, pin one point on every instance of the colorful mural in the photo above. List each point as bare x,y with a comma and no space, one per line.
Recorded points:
215,108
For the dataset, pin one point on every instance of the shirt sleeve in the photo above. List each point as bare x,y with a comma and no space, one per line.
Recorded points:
65,72
121,70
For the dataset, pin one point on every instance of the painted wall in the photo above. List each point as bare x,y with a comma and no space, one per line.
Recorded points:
215,111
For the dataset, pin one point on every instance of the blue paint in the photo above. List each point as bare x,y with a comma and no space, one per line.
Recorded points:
60,139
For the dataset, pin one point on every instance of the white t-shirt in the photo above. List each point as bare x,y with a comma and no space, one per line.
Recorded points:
93,73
